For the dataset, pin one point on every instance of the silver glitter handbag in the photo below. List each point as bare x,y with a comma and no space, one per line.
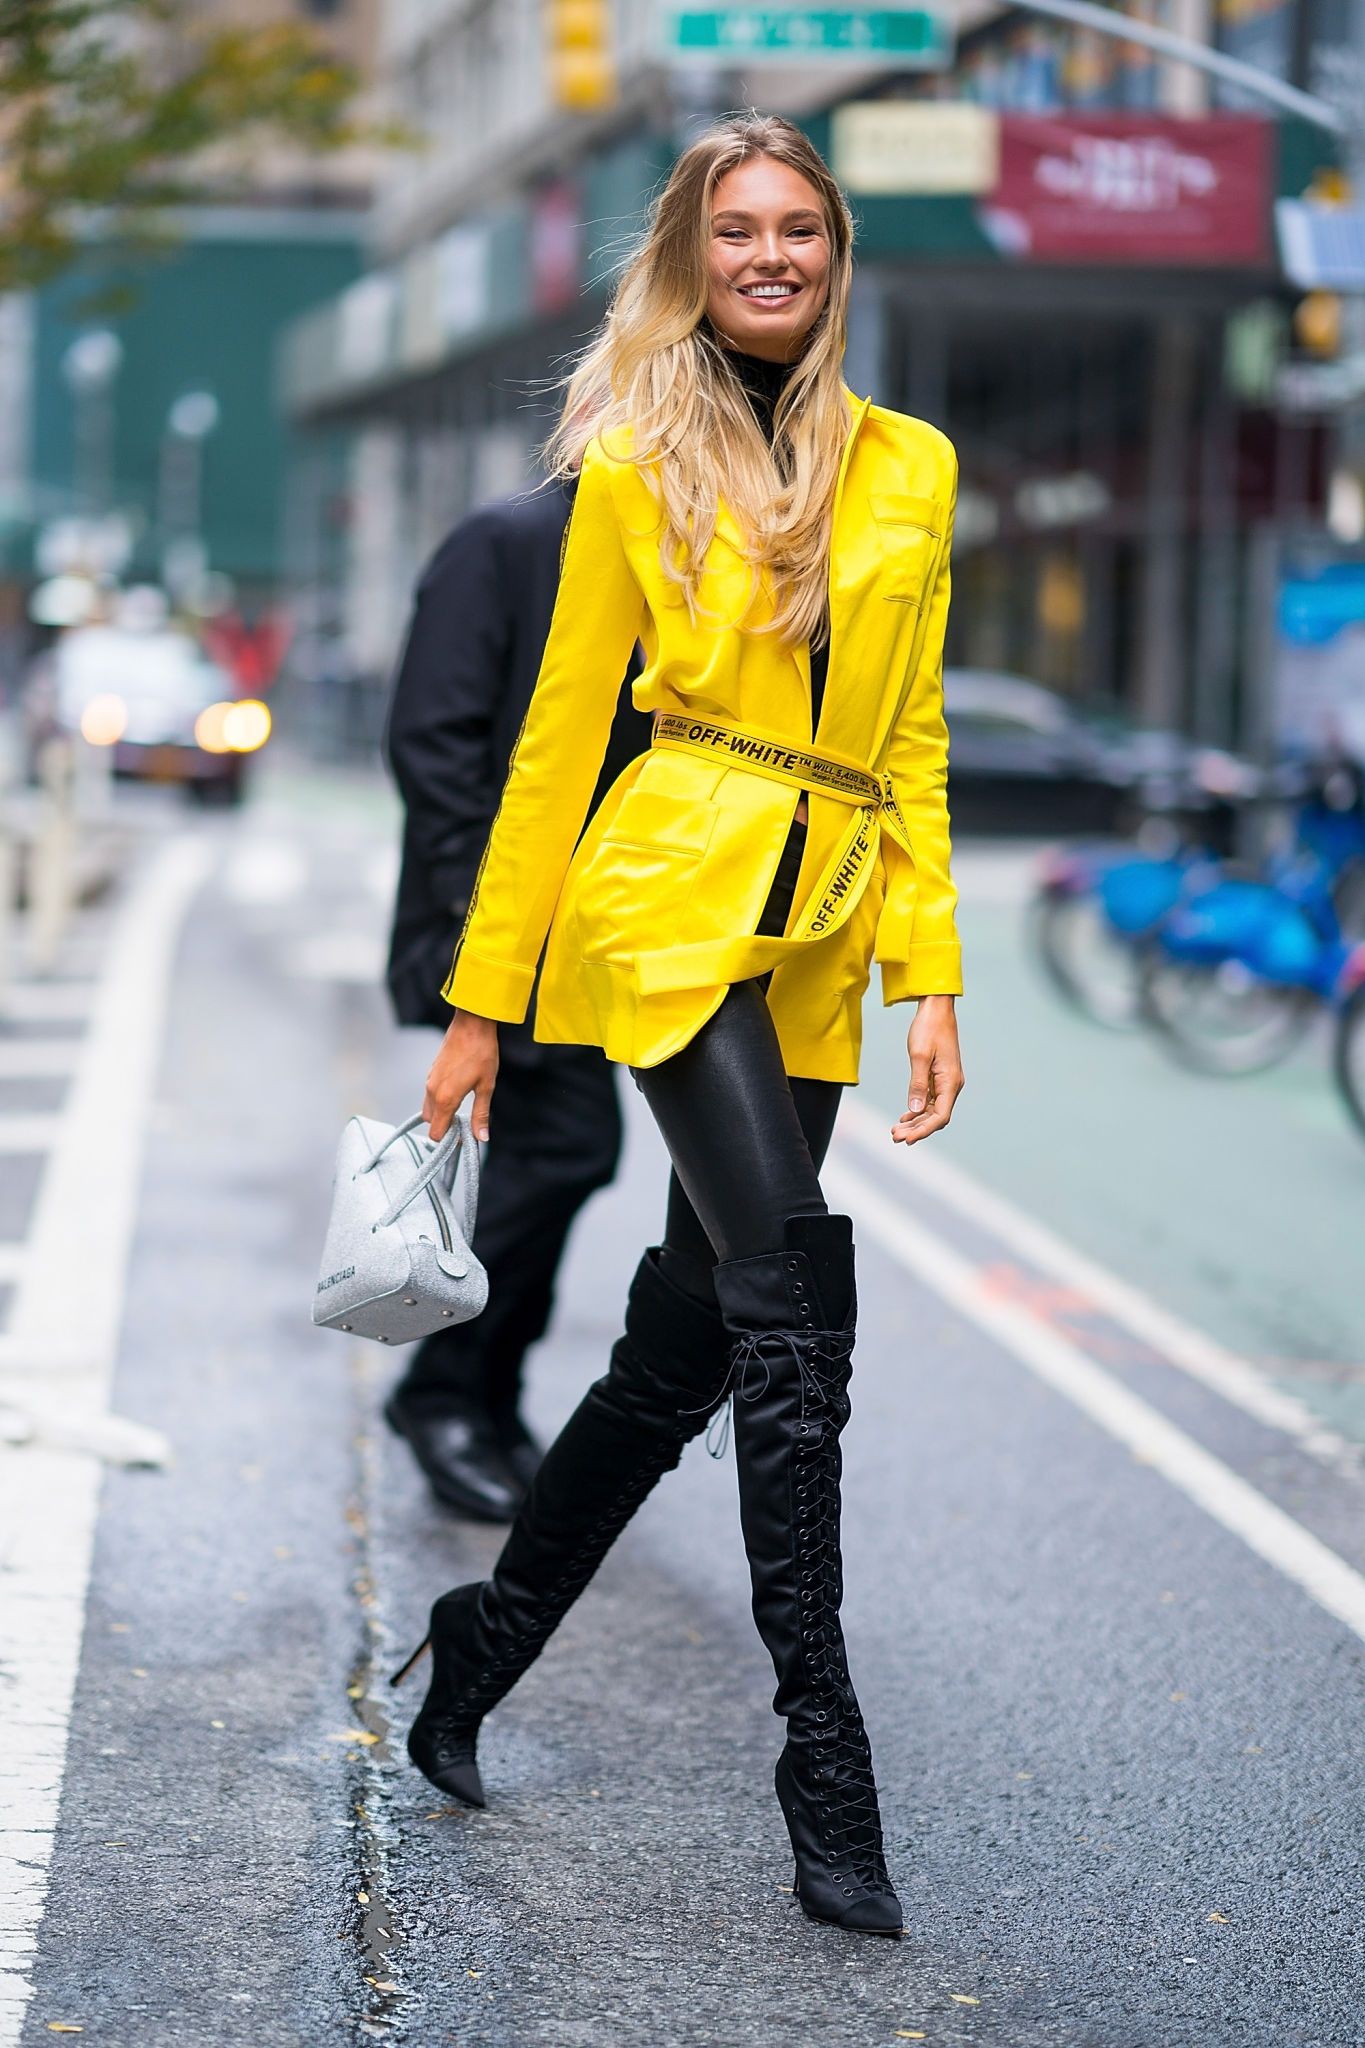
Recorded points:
397,1263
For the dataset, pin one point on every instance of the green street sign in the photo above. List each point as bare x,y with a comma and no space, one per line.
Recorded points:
773,35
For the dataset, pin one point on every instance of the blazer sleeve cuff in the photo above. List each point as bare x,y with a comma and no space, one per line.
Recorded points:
499,989
933,969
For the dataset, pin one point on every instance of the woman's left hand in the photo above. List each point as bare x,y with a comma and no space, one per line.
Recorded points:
935,1071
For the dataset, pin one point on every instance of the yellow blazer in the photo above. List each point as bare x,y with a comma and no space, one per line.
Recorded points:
653,915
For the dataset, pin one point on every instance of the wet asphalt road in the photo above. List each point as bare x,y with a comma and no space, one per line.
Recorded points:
1120,1753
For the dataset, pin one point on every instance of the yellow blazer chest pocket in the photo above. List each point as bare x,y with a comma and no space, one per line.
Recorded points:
910,534
637,884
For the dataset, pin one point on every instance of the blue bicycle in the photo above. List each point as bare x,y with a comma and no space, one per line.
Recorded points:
1348,1042
1236,969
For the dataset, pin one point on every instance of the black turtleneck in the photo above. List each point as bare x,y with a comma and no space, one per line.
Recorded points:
763,383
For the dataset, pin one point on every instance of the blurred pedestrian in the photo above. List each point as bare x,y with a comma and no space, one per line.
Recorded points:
787,548
478,630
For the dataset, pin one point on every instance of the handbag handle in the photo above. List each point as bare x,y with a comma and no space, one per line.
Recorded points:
458,1140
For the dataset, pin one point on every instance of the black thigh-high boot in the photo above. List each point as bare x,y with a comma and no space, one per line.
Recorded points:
792,1318
668,1374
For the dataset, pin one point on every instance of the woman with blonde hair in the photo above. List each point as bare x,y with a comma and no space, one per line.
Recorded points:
780,548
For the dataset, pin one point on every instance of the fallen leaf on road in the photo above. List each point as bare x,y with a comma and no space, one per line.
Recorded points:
1221,1918
63,2027
381,1984
473,1973
963,1998
119,1628
910,2034
354,1735
218,1724
364,1898
355,1692
1177,1696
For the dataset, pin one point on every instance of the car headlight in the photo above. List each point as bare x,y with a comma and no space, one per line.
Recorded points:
233,728
209,729
247,725
104,720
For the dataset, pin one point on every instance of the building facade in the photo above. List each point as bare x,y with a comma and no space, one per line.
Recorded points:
1067,260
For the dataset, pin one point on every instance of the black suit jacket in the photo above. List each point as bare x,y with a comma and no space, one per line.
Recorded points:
473,652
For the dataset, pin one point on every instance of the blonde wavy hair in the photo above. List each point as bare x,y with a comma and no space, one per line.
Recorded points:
658,368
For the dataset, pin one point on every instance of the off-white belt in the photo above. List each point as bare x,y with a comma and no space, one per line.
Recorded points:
872,804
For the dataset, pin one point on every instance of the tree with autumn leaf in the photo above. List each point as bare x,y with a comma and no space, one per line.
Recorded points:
113,113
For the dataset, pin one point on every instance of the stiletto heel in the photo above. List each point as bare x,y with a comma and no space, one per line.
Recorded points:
443,1739
415,1658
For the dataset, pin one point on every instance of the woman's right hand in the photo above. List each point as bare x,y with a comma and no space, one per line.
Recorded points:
468,1058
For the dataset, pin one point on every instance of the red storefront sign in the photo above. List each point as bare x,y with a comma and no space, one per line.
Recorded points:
1132,188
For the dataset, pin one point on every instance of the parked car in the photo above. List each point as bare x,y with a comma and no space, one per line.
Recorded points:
1023,758
152,696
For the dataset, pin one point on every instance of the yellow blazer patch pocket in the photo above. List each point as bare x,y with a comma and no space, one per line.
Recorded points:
651,819
910,533
641,874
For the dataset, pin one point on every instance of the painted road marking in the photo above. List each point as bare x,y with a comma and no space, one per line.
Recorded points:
350,956
47,1002
26,1059
1061,1364
381,871
48,1500
261,871
32,1132
1180,1345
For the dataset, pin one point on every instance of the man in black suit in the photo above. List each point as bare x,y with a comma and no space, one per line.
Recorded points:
482,616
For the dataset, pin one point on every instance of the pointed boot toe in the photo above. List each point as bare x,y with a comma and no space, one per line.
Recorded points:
878,1913
447,1761
443,1739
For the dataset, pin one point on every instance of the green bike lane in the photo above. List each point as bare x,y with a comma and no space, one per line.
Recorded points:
1235,1205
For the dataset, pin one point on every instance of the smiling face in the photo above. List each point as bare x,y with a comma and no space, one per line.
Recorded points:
769,257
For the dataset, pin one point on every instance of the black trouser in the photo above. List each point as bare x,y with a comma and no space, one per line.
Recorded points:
746,1141
556,1139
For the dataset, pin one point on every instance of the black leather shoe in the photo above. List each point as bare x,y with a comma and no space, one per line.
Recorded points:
521,1453
457,1447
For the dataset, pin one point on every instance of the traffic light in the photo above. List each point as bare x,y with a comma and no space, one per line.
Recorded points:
581,56
1317,324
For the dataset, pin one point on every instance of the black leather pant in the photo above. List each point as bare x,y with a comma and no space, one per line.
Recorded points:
747,1141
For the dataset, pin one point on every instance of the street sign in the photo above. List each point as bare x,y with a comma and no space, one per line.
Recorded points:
1322,248
906,37
920,146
